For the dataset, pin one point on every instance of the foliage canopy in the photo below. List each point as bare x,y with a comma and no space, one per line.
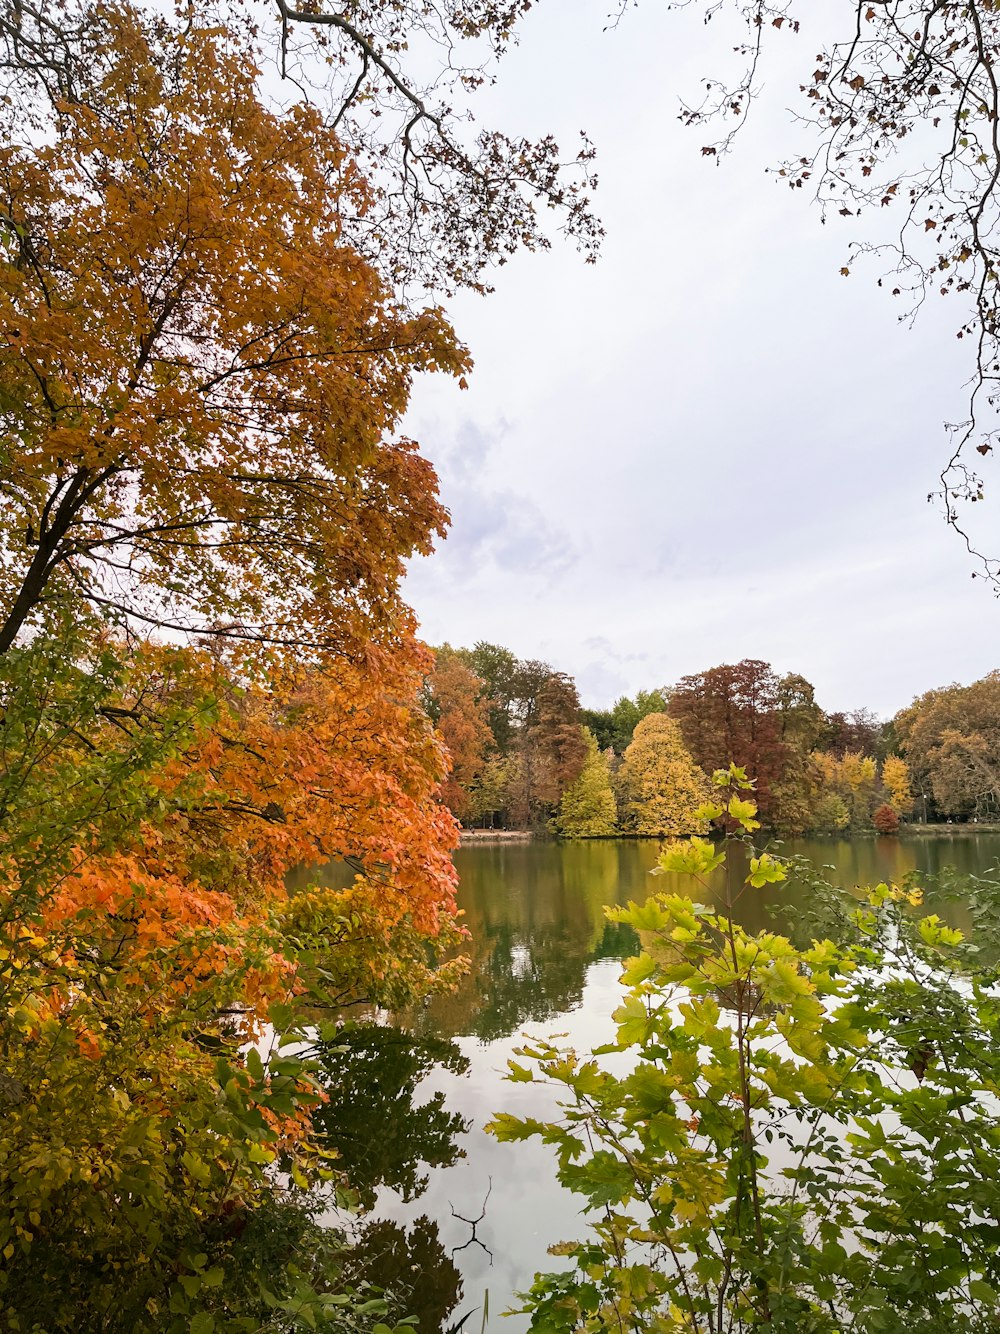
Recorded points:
202,377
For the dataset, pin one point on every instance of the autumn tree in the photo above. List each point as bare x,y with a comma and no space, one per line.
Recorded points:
556,736
847,790
550,750
458,708
512,688
446,204
154,939
904,89
860,730
801,720
498,668
829,812
802,726
200,388
531,678
951,741
587,808
661,783
489,793
534,716
885,818
202,376
797,796
896,780
731,714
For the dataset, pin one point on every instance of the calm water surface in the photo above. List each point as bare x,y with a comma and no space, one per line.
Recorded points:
544,960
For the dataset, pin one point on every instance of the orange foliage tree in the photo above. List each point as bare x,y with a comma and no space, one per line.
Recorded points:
455,699
449,204
147,937
201,376
199,385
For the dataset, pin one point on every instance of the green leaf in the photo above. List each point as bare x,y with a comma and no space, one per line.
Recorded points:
710,810
696,856
518,1074
764,870
506,1127
743,813
638,969
632,1020
782,982
280,1015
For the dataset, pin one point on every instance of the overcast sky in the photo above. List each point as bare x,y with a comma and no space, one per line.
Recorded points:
710,445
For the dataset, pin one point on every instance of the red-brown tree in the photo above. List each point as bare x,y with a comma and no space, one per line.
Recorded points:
729,714
457,704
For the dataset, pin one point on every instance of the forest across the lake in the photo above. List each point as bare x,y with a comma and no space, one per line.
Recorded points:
526,755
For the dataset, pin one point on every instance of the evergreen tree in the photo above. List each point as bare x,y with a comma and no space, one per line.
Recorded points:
588,809
661,784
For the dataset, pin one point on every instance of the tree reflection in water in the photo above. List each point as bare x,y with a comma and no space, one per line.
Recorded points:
538,934
382,1139
370,1073
413,1267
536,917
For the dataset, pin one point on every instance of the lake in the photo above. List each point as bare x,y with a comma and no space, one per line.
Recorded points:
472,1225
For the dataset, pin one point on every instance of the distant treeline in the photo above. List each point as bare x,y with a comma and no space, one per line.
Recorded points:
526,755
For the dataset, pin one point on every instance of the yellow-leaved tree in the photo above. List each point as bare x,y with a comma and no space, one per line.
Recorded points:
587,808
896,778
202,381
846,791
661,785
